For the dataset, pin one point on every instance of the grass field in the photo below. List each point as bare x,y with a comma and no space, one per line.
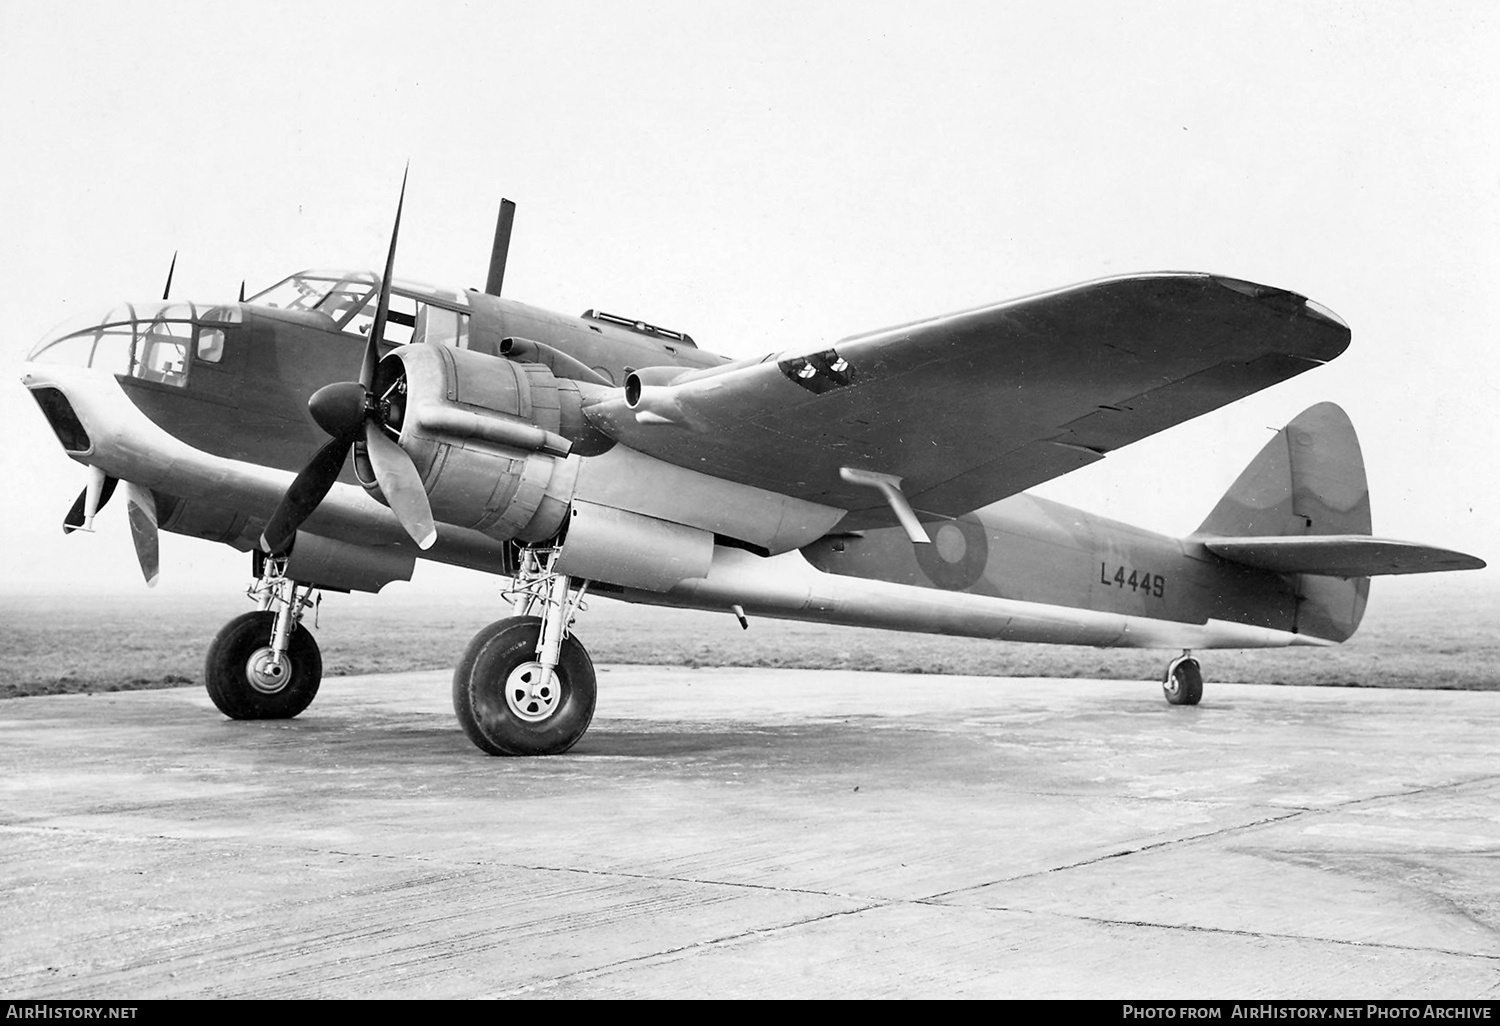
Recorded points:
51,644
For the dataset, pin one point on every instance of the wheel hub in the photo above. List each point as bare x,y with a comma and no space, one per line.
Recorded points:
268,672
532,692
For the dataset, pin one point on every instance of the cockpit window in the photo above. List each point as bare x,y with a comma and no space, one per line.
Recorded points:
307,289
344,300
161,352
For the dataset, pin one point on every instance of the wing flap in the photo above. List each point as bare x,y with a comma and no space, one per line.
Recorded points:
1340,555
1127,420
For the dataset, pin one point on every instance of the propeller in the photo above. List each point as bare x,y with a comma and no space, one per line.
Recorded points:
90,501
352,412
140,508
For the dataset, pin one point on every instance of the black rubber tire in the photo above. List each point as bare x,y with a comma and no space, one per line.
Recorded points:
479,691
227,680
1184,683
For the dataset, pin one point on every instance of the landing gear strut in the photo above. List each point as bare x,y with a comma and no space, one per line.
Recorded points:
265,665
525,685
1183,683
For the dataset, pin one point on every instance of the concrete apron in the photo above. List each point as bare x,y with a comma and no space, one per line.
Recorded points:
767,833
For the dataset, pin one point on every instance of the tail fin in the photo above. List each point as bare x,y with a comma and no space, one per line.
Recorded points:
1302,508
1308,481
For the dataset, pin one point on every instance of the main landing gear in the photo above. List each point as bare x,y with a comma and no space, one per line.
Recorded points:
265,665
525,685
1183,683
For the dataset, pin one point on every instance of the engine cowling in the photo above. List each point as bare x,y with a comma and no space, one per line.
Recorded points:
489,437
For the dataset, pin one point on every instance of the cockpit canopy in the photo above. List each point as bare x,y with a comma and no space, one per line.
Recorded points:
418,313
158,341
149,341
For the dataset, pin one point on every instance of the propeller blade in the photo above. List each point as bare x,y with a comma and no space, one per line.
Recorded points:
78,517
140,508
341,409
306,491
383,306
401,485
166,292
501,248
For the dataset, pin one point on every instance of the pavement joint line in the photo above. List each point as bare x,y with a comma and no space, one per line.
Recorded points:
454,864
714,942
711,942
869,903
1189,839
1297,811
933,899
1448,786
1262,934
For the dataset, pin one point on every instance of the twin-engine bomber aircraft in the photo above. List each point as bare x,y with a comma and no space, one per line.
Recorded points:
875,482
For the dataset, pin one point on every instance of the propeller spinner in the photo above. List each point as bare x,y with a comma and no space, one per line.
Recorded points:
351,412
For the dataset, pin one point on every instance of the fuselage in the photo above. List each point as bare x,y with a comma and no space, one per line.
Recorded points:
207,407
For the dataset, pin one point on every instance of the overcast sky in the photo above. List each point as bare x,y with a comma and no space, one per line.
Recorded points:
767,175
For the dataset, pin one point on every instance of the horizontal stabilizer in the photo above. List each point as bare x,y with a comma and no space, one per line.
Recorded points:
1339,555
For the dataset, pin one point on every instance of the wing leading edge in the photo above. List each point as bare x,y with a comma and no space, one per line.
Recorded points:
966,409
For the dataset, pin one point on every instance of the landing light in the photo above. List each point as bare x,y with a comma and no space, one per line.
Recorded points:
1319,310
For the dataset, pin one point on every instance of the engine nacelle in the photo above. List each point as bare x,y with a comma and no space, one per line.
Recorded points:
338,566
490,437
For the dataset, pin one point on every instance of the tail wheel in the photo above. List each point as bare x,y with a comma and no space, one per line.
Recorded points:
1183,684
247,681
508,704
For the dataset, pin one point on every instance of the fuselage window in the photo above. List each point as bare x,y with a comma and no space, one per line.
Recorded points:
210,345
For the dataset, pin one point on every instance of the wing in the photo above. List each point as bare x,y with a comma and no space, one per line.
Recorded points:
966,409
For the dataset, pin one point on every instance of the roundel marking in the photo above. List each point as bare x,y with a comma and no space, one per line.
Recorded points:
959,552
950,543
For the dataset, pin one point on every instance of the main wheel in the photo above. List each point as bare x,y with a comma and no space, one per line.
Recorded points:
245,679
1184,682
508,706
